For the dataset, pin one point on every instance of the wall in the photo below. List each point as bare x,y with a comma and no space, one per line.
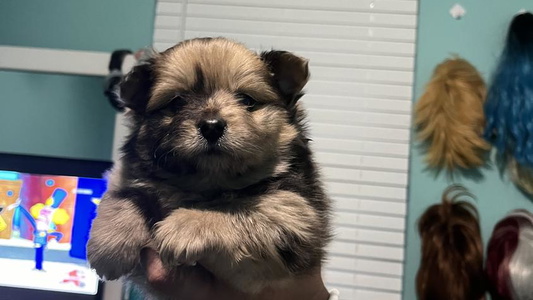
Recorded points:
478,37
63,115
94,25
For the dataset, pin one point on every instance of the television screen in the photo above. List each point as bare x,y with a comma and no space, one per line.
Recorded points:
44,227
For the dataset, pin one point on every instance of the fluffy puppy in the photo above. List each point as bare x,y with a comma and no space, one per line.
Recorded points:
217,169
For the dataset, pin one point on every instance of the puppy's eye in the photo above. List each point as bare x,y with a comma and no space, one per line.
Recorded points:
247,101
177,101
177,97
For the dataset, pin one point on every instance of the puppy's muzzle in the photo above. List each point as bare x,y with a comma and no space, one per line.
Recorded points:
212,129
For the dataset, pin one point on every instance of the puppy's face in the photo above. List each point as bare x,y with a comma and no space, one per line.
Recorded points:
212,106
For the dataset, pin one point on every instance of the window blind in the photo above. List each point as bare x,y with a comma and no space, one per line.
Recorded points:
359,102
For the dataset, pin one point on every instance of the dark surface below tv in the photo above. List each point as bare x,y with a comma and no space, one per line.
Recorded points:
53,165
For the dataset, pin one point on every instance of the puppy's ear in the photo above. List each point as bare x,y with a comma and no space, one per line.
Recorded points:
136,87
290,72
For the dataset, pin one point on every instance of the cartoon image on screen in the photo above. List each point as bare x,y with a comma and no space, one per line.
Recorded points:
44,219
44,227
10,184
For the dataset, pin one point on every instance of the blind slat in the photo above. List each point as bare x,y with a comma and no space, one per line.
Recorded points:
295,15
162,46
172,35
361,161
357,203
398,6
359,118
365,265
357,147
368,235
168,22
352,74
357,103
369,251
364,132
352,174
169,8
351,293
363,89
348,218
316,44
363,190
300,29
368,281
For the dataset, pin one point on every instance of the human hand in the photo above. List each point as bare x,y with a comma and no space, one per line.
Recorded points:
197,283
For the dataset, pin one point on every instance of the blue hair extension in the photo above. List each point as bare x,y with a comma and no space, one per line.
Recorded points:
509,104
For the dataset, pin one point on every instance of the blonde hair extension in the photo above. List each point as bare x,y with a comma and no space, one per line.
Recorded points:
449,116
451,264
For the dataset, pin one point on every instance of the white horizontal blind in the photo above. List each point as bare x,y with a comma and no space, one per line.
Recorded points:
359,101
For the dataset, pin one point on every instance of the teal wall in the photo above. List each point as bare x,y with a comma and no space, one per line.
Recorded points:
93,25
65,115
55,115
478,37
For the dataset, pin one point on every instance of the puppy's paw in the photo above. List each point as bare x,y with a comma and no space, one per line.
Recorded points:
179,243
112,259
189,235
118,234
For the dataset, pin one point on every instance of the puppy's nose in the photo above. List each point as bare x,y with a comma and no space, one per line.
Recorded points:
212,129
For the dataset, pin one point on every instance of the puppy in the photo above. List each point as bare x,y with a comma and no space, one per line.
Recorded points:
217,169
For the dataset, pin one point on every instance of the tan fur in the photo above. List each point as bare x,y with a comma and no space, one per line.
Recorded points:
104,246
450,118
257,139
226,65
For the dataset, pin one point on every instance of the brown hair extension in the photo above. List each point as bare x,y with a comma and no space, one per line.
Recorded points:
451,266
450,118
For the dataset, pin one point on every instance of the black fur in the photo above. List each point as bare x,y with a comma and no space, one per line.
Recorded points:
136,86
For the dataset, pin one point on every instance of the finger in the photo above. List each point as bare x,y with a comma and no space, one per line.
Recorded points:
156,274
184,282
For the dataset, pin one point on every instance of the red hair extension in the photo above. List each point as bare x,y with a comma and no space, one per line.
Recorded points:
509,264
502,245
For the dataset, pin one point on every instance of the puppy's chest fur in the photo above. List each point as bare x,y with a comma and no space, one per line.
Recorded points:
163,197
284,218
230,201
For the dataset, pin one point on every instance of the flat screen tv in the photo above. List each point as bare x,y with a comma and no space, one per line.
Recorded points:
46,208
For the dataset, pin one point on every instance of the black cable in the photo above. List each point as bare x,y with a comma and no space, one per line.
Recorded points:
114,77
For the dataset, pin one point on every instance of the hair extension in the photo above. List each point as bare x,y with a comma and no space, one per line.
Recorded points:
521,265
509,105
452,252
502,245
509,263
449,116
522,176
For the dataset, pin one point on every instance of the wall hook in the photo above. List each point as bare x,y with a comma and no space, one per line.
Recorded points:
457,11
